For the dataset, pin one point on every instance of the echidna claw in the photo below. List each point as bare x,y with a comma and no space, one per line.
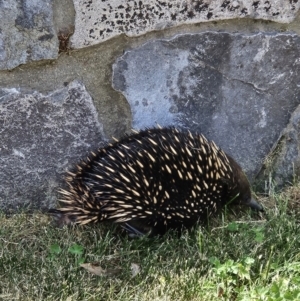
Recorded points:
132,232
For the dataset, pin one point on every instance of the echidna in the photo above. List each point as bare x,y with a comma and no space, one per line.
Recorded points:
156,179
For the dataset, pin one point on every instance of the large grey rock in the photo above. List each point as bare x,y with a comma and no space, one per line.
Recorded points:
26,32
239,90
41,136
97,21
282,165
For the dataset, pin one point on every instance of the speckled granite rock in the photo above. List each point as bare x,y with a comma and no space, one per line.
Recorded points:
26,32
282,165
41,135
239,90
97,21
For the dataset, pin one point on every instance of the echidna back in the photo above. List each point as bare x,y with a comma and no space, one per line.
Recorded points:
160,178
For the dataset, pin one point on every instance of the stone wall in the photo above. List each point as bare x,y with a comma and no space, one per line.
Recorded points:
75,73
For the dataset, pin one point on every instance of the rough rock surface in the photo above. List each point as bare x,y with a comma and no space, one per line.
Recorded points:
239,90
97,20
26,32
41,135
282,165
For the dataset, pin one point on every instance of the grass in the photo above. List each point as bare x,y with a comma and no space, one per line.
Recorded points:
238,257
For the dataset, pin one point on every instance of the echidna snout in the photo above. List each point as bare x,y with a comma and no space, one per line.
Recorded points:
254,205
158,178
